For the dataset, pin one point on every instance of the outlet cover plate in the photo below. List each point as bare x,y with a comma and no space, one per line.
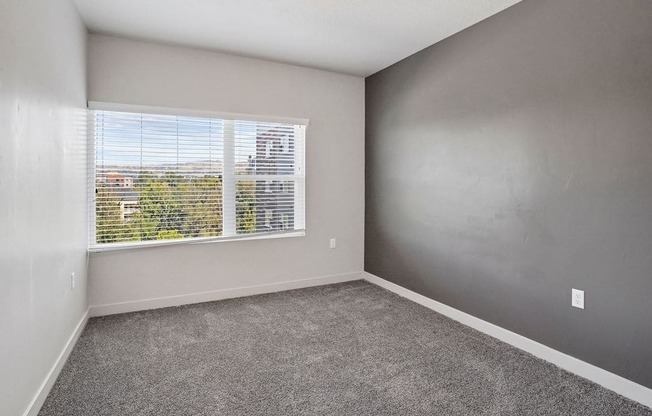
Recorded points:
578,298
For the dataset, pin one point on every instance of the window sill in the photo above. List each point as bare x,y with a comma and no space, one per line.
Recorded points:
204,240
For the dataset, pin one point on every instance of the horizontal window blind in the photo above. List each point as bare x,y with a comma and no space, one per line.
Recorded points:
177,177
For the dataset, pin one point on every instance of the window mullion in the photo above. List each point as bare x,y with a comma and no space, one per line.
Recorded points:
300,182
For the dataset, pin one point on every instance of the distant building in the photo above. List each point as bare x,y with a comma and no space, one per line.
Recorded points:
122,187
274,198
119,180
129,204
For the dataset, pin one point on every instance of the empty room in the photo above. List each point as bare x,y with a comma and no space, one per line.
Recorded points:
311,207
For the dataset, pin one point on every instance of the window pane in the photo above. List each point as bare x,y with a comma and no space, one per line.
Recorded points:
157,177
162,177
264,148
264,205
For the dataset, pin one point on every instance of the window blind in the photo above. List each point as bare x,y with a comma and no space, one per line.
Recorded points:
161,177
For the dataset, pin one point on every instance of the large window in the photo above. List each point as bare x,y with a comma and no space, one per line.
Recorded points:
162,174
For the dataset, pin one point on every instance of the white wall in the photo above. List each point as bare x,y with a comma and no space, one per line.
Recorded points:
42,187
124,71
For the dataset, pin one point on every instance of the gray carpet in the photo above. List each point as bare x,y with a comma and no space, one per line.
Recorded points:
347,349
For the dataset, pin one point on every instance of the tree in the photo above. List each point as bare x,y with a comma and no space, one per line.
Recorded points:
107,213
204,206
245,206
110,226
170,206
168,235
160,208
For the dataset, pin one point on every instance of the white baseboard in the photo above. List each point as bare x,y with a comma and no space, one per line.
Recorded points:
44,389
602,377
156,303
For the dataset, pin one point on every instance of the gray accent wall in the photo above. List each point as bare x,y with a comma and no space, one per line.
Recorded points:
511,163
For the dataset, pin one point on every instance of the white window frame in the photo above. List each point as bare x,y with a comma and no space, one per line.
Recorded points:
228,181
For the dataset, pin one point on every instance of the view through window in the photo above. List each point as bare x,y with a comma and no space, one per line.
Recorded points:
164,177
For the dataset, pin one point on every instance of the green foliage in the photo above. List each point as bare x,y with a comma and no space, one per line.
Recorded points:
109,225
107,213
245,207
168,235
171,206
203,215
160,207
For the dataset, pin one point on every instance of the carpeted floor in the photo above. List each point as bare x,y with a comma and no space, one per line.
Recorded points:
347,349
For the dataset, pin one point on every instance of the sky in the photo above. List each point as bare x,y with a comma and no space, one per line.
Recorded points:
134,139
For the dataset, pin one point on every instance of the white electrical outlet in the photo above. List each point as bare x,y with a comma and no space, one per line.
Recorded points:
333,243
72,281
578,298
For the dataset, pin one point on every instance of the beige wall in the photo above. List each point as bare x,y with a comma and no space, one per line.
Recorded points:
130,72
42,187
